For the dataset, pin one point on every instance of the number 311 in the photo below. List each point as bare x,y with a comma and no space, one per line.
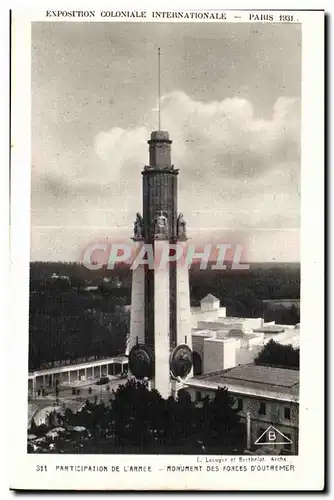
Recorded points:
41,468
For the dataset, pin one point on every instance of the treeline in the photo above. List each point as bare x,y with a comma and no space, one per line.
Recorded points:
66,325
282,315
79,275
243,292
67,322
68,338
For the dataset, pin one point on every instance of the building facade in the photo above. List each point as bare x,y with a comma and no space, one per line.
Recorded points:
266,398
68,375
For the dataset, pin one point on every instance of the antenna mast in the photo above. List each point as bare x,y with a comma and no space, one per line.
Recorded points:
159,93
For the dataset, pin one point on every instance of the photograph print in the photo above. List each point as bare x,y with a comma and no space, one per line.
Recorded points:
164,303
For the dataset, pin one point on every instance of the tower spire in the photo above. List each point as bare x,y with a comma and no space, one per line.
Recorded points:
159,92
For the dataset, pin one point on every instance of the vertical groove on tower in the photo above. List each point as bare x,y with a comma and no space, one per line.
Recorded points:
159,196
172,306
149,307
173,267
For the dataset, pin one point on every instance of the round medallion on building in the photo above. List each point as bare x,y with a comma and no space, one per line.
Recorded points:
181,361
141,362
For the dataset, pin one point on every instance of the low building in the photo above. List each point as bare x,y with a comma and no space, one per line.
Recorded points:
220,342
265,396
71,374
209,309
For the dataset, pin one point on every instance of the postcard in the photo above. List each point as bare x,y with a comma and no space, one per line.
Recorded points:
166,247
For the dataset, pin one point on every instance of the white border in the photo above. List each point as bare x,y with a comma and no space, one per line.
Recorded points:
309,463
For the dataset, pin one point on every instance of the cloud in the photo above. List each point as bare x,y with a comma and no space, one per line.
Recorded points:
242,170
232,160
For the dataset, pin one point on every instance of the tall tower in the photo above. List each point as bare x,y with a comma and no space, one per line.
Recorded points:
160,327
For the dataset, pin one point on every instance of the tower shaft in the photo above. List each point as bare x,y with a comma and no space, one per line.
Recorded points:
163,328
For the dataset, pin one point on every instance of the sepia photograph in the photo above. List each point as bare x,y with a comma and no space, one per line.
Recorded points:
167,228
164,313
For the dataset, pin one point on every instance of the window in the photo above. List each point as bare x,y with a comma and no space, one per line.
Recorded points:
262,409
287,413
240,404
198,396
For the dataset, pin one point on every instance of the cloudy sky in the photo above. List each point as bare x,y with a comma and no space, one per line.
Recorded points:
231,103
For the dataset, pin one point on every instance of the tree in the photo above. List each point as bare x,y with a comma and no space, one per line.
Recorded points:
275,354
294,315
184,418
33,426
225,431
141,421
